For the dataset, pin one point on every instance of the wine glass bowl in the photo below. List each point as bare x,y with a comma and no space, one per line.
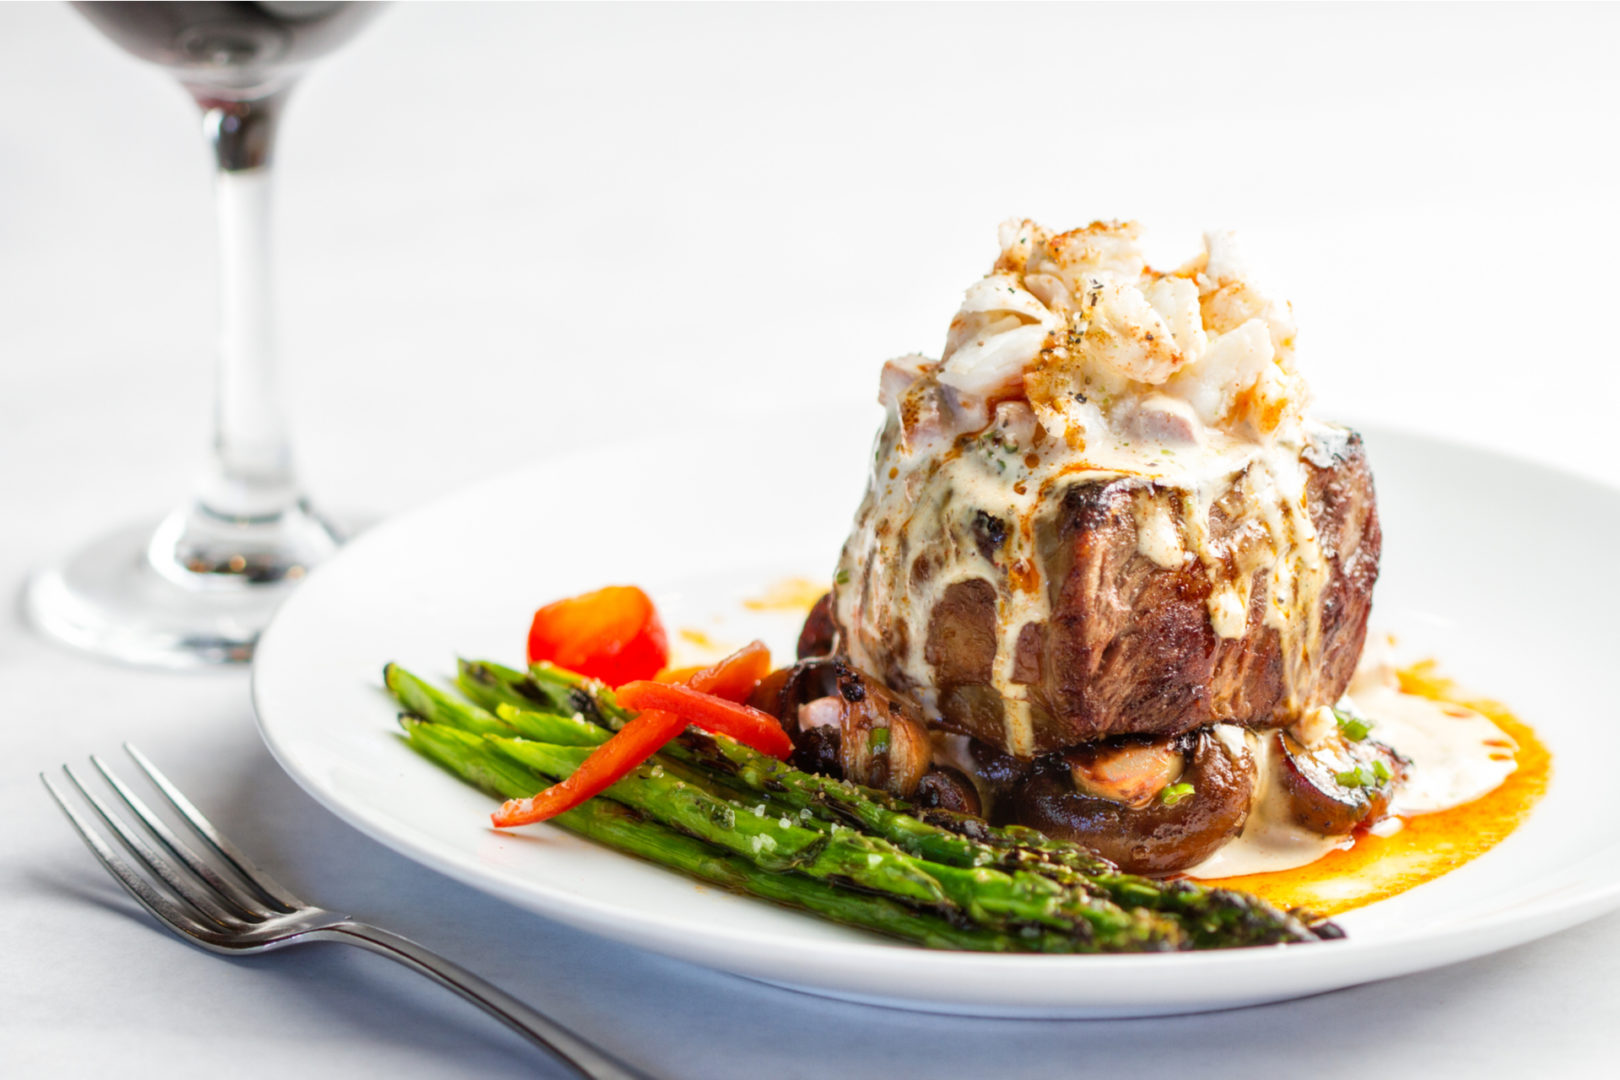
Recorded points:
198,588
232,50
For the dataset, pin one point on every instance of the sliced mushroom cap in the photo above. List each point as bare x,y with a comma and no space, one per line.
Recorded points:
845,723
1180,826
884,742
1336,784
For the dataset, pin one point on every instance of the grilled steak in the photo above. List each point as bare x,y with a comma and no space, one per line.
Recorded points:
1129,645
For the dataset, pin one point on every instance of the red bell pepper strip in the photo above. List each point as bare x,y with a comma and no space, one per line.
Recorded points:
744,723
735,677
704,699
609,763
612,634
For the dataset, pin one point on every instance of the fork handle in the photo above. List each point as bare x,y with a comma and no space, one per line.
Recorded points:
586,1060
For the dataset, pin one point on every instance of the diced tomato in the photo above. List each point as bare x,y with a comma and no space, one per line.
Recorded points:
735,677
609,763
747,725
612,634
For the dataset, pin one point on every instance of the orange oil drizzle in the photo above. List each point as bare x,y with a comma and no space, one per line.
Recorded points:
1429,845
700,638
788,594
692,648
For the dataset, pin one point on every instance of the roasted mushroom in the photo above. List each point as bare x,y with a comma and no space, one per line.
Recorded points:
1127,808
845,723
1334,782
799,696
996,774
784,691
884,742
816,637
945,788
818,744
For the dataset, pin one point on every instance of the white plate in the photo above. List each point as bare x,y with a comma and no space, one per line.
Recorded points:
1483,567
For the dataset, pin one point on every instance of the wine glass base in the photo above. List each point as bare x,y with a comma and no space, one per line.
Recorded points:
108,599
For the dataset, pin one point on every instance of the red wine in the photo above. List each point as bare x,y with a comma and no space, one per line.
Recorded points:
229,49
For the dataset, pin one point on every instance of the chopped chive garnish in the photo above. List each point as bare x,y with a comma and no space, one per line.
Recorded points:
1175,793
878,741
1381,771
1352,778
1352,727
841,578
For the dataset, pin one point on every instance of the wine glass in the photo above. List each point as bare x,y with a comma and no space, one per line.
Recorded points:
199,587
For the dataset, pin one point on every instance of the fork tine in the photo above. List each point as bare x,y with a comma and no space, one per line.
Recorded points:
165,910
268,888
243,904
188,891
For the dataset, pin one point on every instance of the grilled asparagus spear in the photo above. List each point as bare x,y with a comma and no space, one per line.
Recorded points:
511,718
614,825
985,896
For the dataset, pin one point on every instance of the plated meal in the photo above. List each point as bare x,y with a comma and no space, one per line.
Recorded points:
1092,655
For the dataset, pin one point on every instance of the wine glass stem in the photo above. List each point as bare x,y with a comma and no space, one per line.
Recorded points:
251,474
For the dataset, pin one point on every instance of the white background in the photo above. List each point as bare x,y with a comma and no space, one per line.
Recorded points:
509,230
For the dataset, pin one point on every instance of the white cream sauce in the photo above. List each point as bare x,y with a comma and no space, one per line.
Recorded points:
1269,840
1457,755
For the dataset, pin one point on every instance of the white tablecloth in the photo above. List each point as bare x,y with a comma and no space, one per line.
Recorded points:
508,230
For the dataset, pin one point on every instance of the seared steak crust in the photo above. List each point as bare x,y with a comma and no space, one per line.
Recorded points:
1130,647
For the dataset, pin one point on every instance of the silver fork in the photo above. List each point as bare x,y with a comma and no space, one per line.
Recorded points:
224,903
